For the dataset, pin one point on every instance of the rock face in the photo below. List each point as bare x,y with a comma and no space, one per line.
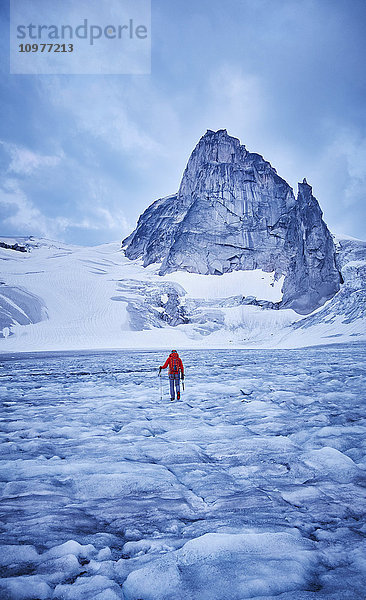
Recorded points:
233,212
349,305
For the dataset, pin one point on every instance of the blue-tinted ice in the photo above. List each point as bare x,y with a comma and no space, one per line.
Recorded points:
253,486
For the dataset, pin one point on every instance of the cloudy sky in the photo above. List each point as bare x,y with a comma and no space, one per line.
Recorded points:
82,156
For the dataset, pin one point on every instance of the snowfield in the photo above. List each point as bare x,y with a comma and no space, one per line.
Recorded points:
252,486
60,297
255,283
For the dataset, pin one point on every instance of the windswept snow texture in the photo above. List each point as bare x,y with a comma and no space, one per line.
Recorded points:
19,307
252,486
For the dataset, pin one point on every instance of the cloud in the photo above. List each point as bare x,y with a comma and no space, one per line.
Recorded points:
237,95
24,161
131,132
111,220
337,172
270,73
24,215
351,147
343,159
105,111
100,207
94,204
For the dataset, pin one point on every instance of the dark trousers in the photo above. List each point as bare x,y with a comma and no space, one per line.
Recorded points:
174,380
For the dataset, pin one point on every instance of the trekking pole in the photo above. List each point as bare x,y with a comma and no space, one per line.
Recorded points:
161,387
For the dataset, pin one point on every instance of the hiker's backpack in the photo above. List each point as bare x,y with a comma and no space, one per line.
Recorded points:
174,363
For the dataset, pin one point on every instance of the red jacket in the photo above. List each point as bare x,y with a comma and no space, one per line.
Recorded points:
174,362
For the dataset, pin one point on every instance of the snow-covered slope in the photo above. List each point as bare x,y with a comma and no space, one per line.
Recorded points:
55,296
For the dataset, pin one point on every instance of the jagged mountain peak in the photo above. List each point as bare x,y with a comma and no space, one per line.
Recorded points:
219,138
218,147
234,212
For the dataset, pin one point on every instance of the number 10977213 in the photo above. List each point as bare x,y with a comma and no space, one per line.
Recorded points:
46,47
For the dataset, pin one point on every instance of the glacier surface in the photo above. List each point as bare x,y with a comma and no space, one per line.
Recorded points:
252,486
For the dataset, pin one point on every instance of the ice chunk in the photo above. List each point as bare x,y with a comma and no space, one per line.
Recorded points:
104,554
331,463
302,495
88,587
70,547
207,567
106,568
59,570
148,478
24,588
10,555
108,595
154,546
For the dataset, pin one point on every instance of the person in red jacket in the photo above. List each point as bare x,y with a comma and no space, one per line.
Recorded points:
176,372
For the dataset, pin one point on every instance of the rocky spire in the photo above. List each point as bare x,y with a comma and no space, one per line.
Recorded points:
233,212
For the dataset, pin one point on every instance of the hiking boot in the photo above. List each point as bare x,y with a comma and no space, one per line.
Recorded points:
172,399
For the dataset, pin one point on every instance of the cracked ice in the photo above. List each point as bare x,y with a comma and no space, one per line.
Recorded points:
109,492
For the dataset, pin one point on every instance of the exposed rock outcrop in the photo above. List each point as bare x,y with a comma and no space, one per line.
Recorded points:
234,212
